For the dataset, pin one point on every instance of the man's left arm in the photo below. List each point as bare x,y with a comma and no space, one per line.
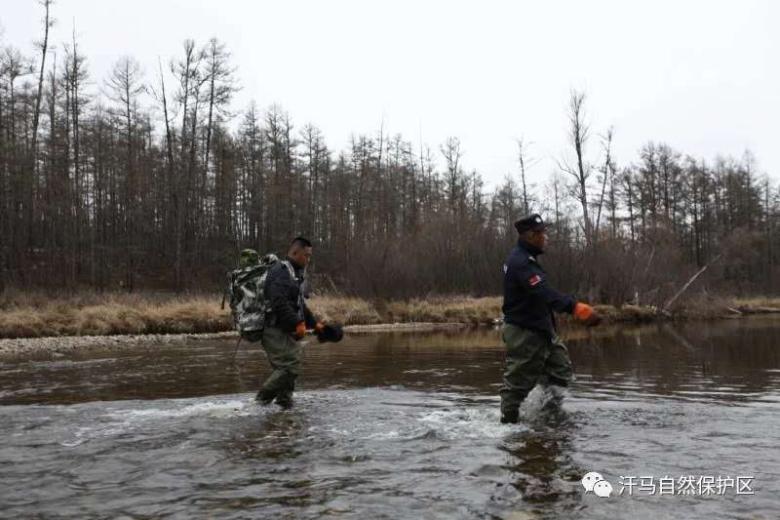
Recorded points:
559,302
536,281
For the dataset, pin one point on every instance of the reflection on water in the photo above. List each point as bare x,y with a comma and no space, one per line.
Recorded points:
393,426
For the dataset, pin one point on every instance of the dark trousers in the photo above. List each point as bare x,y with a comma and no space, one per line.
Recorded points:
531,358
284,355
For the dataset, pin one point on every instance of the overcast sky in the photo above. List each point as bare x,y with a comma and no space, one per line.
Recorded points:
696,75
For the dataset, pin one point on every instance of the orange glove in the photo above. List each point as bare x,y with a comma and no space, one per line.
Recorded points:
319,327
585,313
300,330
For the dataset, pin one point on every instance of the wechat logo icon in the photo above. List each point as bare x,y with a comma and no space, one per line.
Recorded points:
594,482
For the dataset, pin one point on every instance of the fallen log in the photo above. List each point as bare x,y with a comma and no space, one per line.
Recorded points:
668,305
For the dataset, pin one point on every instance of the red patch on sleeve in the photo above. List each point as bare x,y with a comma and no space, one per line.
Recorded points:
534,280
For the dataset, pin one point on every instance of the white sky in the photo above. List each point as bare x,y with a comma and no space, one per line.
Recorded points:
694,74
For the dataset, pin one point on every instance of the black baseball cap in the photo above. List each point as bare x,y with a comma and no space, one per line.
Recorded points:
532,222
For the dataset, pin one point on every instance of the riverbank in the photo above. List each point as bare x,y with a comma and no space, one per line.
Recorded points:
38,315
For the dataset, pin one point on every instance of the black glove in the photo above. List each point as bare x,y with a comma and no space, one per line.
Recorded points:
331,333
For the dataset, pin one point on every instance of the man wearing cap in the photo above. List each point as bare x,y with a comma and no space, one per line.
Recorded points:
535,354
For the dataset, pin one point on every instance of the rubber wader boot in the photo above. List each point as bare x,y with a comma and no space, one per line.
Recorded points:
265,397
510,416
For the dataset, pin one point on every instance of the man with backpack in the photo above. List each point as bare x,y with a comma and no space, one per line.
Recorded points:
287,319
268,305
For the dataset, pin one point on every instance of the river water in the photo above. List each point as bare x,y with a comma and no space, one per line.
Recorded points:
399,426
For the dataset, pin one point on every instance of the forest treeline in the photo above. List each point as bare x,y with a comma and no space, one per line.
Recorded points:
149,179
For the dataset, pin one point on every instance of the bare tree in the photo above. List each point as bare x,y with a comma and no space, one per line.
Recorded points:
579,132
190,79
124,85
43,44
75,74
607,172
221,85
522,150
629,190
452,156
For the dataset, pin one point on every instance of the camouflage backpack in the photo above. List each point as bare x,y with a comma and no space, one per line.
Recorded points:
246,290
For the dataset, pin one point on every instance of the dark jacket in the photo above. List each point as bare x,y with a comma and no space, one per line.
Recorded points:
529,301
285,296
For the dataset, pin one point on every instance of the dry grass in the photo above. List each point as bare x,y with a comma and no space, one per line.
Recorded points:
39,314
454,309
345,310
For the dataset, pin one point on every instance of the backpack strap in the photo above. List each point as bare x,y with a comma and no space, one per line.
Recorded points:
290,269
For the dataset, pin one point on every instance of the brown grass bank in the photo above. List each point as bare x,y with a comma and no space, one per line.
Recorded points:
84,314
